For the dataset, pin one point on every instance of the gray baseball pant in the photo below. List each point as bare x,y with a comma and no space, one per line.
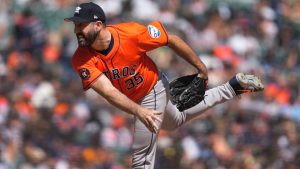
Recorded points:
145,142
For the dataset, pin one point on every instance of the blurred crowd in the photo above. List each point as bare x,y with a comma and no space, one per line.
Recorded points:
47,121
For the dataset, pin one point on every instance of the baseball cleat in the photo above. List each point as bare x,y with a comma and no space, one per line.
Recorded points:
242,83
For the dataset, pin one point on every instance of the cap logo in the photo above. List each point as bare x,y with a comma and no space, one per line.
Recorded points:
77,9
95,17
153,31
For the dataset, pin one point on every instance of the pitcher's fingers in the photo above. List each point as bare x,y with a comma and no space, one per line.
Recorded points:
157,118
146,123
157,113
152,125
155,128
151,129
149,126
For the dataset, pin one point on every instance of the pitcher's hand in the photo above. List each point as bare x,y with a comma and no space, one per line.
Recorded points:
148,117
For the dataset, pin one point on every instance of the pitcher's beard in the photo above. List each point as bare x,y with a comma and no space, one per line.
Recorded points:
88,39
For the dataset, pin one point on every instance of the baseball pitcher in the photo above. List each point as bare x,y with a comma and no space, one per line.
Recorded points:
112,60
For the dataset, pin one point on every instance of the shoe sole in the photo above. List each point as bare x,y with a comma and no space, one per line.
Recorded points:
251,83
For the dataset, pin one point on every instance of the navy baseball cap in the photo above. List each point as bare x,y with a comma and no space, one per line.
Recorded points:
87,12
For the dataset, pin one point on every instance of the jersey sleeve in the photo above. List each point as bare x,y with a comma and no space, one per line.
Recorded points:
152,36
87,68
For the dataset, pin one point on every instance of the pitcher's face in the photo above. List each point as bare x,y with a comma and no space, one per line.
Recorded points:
86,33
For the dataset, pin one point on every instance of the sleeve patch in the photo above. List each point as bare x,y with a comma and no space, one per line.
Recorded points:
153,31
84,73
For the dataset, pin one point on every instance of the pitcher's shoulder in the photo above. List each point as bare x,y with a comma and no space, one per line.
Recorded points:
82,54
125,25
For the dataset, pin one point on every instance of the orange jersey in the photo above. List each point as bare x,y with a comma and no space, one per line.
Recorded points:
127,66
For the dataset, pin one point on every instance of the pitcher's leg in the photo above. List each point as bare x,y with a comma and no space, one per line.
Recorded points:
214,96
144,141
144,147
174,118
239,84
